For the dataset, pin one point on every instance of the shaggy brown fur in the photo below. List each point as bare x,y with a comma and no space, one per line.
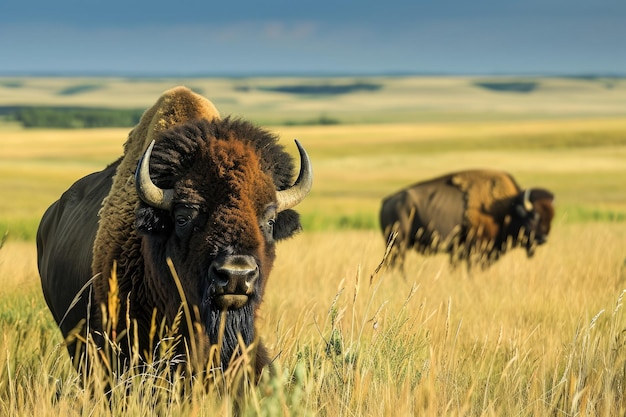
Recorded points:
231,170
479,187
117,216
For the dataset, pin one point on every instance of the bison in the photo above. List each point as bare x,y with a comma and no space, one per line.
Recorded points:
186,220
474,216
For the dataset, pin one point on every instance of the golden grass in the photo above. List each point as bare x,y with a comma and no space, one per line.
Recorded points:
57,145
527,337
355,166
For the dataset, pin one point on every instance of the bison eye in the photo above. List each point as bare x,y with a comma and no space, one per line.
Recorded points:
184,217
182,221
267,227
267,222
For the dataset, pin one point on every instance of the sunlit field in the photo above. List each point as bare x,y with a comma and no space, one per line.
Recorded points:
582,161
543,336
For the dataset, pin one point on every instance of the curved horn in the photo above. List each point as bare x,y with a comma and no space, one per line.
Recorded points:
295,194
147,190
528,205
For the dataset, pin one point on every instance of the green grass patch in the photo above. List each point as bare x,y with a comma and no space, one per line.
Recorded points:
20,229
324,221
582,214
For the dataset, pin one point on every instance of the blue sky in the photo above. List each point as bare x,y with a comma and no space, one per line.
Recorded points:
322,37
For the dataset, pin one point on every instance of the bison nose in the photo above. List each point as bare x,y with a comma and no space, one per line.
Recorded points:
234,274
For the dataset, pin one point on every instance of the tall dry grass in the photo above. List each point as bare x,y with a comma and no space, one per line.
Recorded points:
538,337
523,338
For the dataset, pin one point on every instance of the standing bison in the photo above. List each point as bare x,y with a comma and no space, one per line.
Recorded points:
212,197
474,216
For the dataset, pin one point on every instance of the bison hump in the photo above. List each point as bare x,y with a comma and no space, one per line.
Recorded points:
487,195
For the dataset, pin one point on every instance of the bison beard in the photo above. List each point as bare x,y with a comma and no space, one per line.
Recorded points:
238,322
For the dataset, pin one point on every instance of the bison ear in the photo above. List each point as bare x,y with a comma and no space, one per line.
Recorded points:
541,194
287,224
152,221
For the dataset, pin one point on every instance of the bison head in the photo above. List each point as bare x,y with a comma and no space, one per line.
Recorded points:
534,212
215,197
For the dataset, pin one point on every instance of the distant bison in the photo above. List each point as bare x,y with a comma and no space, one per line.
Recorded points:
474,215
211,195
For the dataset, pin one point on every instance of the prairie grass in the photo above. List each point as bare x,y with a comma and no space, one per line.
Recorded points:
581,161
526,337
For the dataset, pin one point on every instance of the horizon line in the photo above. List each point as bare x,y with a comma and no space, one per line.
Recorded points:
302,74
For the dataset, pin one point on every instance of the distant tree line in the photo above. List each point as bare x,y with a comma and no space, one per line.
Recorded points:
84,118
509,86
72,117
321,89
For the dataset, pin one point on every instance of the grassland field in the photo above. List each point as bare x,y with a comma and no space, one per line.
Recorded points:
527,337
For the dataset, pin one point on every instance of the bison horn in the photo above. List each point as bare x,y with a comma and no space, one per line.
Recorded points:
528,205
295,194
147,190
